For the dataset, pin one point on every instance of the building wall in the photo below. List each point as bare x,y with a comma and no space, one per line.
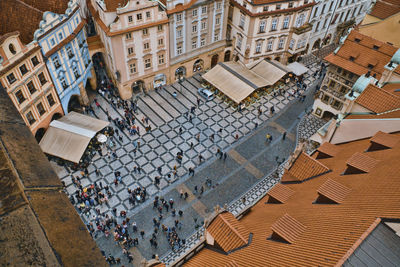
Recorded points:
63,42
328,14
31,90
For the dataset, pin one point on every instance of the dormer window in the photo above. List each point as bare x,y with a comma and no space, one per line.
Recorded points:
265,8
370,66
375,47
352,58
278,7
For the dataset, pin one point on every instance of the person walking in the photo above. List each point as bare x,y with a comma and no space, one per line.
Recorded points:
225,156
284,136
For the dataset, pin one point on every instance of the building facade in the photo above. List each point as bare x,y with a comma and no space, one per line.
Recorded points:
330,19
198,39
273,29
63,43
23,74
135,38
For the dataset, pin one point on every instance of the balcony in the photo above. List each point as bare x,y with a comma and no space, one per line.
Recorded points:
338,78
333,92
345,25
302,29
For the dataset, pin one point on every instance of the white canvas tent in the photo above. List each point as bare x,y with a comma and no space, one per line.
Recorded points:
297,68
68,137
270,70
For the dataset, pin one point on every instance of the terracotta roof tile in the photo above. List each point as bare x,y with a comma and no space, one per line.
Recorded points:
332,230
385,8
228,232
385,139
378,58
386,115
378,100
112,5
334,191
328,149
304,167
232,263
280,193
393,88
288,228
362,162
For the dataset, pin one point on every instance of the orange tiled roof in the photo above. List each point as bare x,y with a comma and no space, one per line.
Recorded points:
384,8
288,228
378,100
392,88
228,232
328,149
364,45
332,231
232,263
304,167
334,191
361,162
385,139
386,115
280,193
112,5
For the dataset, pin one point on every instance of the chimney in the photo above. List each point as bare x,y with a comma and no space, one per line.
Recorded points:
374,75
390,64
368,74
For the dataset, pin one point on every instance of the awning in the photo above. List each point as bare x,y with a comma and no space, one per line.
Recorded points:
297,68
68,137
270,70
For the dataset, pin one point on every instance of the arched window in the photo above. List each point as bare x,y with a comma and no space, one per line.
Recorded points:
12,49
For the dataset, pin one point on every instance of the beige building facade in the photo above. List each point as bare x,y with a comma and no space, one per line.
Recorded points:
135,38
269,29
24,75
198,39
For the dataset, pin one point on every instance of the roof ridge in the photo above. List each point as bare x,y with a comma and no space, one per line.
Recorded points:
232,227
29,6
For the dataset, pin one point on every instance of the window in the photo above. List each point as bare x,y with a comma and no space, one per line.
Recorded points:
161,59
281,43
130,50
219,5
179,17
202,41
31,87
23,69
217,20
40,109
139,16
331,6
179,33
194,28
52,42
194,12
262,26
145,31
130,19
148,15
159,28
375,47
216,36
265,8
132,68
317,26
269,44
239,42
63,82
42,79
128,36
290,4
203,25
146,46
60,35
203,10
258,47
56,62
12,49
291,44
300,20
76,72
274,24
242,20
30,118
179,50
34,61
160,41
69,52
278,6
194,44
315,12
147,63
20,96
50,100
286,22
11,78
325,23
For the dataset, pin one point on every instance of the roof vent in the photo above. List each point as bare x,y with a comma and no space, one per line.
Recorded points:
375,47
332,192
360,163
279,194
368,74
327,150
357,40
287,229
382,141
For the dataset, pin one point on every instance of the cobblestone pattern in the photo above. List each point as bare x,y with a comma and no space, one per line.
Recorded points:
308,126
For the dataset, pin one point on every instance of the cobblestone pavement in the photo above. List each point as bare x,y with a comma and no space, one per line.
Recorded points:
158,148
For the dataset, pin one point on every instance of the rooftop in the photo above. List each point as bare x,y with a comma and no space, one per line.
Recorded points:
378,100
320,234
385,8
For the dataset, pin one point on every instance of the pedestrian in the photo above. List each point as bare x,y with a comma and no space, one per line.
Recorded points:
191,171
220,131
256,125
225,156
181,193
236,136
201,190
191,145
180,130
272,109
198,137
142,234
195,189
190,118
284,136
259,111
198,101
201,158
159,169
180,213
185,196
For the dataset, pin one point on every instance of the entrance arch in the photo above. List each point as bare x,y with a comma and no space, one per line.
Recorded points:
214,60
180,72
316,44
277,59
198,65
39,134
328,115
327,39
74,104
227,55
56,116
138,87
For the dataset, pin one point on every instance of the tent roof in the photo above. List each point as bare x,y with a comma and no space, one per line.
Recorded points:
297,68
248,76
270,70
68,137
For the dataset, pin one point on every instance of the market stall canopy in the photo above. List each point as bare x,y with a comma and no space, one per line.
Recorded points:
297,68
234,80
68,137
271,70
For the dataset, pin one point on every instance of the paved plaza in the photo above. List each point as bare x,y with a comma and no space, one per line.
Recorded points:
249,159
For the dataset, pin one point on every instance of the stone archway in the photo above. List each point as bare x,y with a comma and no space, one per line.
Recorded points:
74,104
327,39
198,65
39,134
56,116
328,115
180,72
138,87
227,55
316,44
214,60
